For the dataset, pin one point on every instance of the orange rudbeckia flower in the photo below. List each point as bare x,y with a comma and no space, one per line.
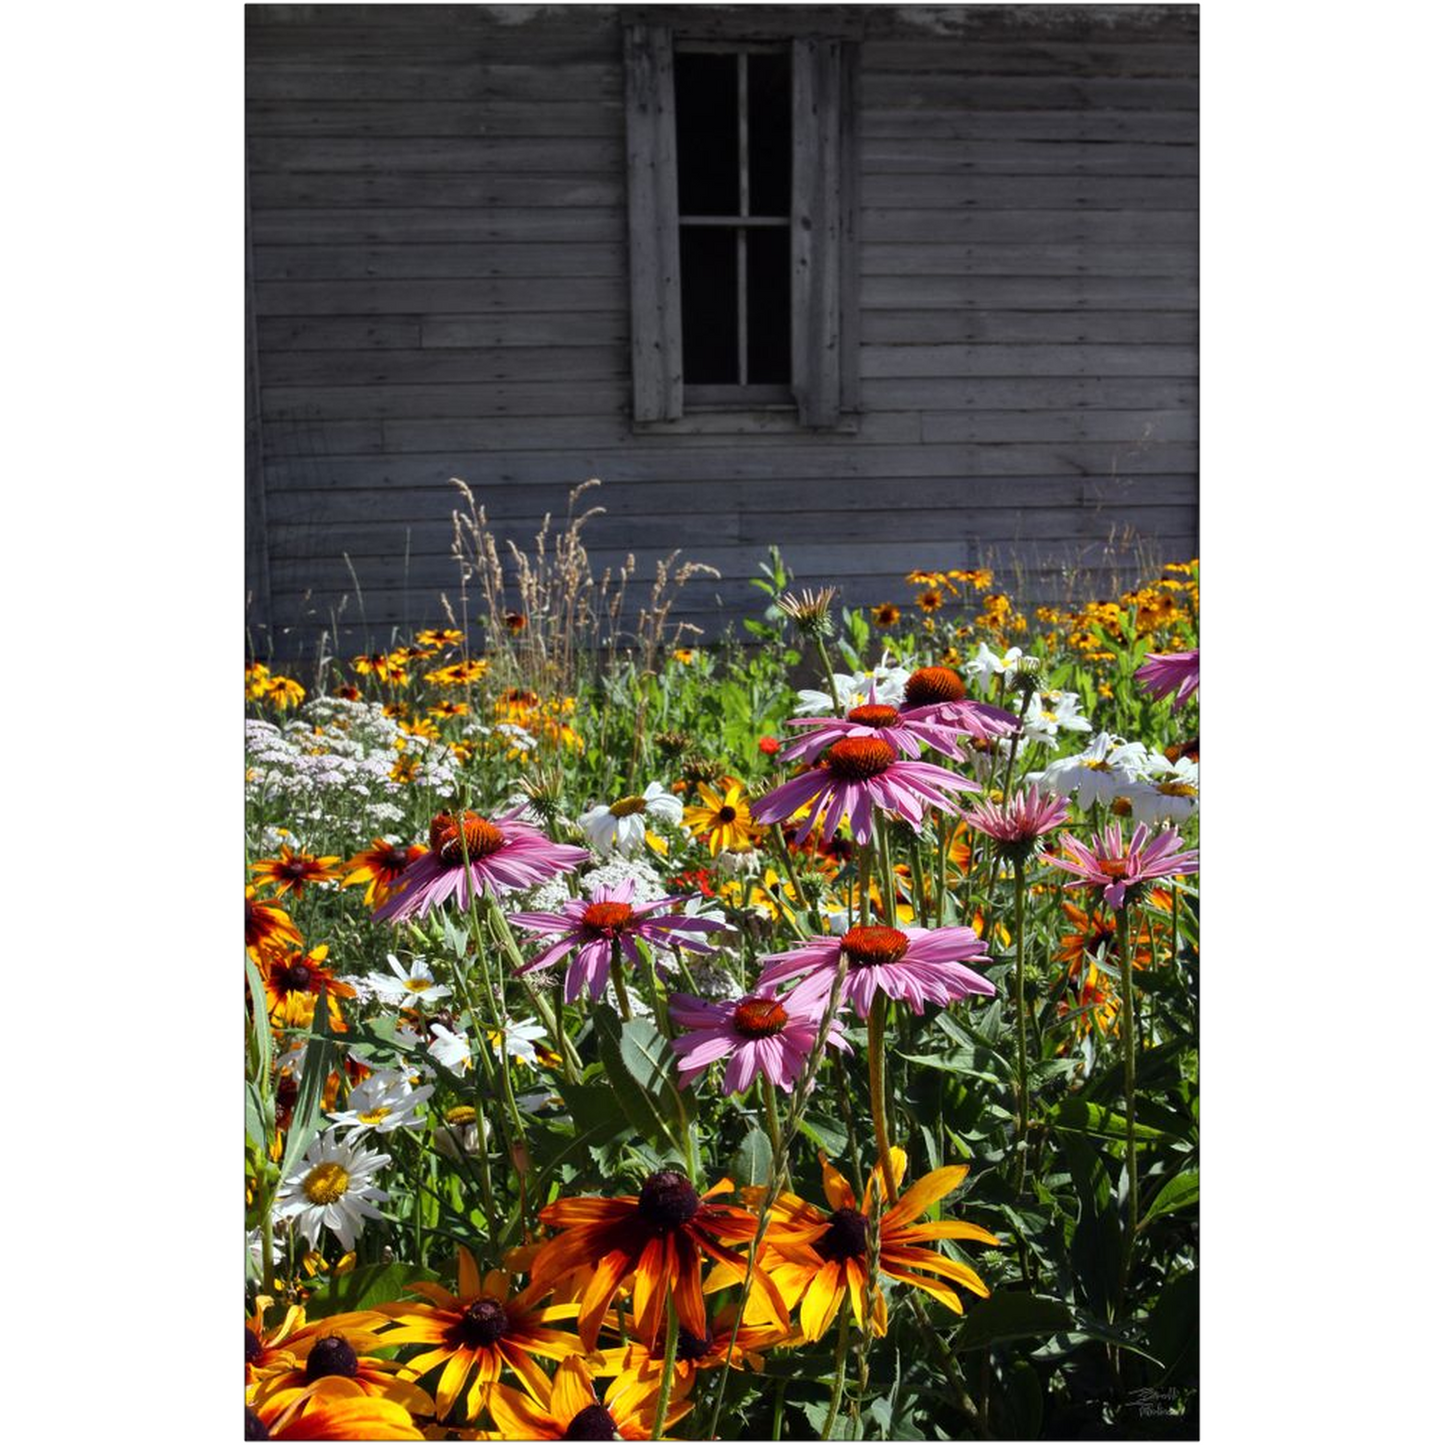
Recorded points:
293,981
570,1410
294,872
335,1408
268,927
379,866
660,1234
480,1326
821,1257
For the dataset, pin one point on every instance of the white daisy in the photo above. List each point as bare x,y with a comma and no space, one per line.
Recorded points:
1050,711
623,825
383,1101
333,1188
1105,770
451,1051
986,665
458,1135
409,987
1170,796
853,690
521,1040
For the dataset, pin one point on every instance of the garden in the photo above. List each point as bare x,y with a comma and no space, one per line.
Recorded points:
787,1036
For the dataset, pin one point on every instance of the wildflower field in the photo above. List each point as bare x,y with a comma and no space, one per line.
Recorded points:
792,1037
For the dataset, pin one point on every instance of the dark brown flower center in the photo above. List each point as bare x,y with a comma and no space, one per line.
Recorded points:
331,1356
483,1323
726,814
293,868
874,715
295,978
451,836
593,1423
689,1346
855,759
845,1238
760,1018
606,920
667,1201
255,1428
874,944
253,1345
396,858
933,684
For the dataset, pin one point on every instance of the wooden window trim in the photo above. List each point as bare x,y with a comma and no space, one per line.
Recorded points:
823,393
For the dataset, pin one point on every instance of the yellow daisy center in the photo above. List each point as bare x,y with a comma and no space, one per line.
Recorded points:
326,1183
628,807
1179,790
376,1115
417,985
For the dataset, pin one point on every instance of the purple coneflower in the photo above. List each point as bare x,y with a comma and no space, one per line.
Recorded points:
904,732
914,965
592,926
1111,866
1164,672
469,855
759,1034
856,774
1020,823
938,695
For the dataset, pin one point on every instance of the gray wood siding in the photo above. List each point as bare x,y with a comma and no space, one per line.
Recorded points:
439,270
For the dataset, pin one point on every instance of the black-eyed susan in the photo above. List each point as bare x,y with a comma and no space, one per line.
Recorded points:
473,1333
821,1257
886,614
379,867
569,1408
661,1234
334,1352
269,928
723,818
705,1352
929,600
284,692
295,872
436,638
285,1346
334,1408
294,980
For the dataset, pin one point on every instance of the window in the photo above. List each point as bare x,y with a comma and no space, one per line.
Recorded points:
740,198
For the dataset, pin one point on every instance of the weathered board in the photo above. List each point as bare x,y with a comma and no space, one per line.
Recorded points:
438,268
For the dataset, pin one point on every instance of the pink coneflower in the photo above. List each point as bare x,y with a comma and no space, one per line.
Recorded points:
938,695
1164,672
592,926
470,855
904,731
759,1034
854,776
915,965
1020,823
1117,870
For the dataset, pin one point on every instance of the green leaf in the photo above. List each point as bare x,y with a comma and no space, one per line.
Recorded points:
364,1288
1012,1316
258,1117
753,1160
1177,1193
638,1063
261,1046
1173,1330
315,1068
829,1135
1083,1117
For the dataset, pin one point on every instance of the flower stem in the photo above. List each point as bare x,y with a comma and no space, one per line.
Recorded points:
623,1007
559,1033
840,1374
669,1363
1126,984
1021,1024
775,1129
790,868
877,1027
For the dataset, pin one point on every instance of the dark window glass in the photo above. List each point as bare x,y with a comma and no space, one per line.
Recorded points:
770,134
706,97
709,305
769,305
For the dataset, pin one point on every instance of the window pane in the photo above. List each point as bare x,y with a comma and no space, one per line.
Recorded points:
707,134
709,305
769,305
770,134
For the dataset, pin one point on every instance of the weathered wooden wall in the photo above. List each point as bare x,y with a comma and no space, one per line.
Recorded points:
439,256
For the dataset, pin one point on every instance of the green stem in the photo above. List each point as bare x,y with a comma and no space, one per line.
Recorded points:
790,868
669,1363
840,1373
828,673
945,835
1021,1024
1126,982
888,879
615,968
877,1027
775,1129
558,1031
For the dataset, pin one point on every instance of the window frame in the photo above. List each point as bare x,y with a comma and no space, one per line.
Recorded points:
822,392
